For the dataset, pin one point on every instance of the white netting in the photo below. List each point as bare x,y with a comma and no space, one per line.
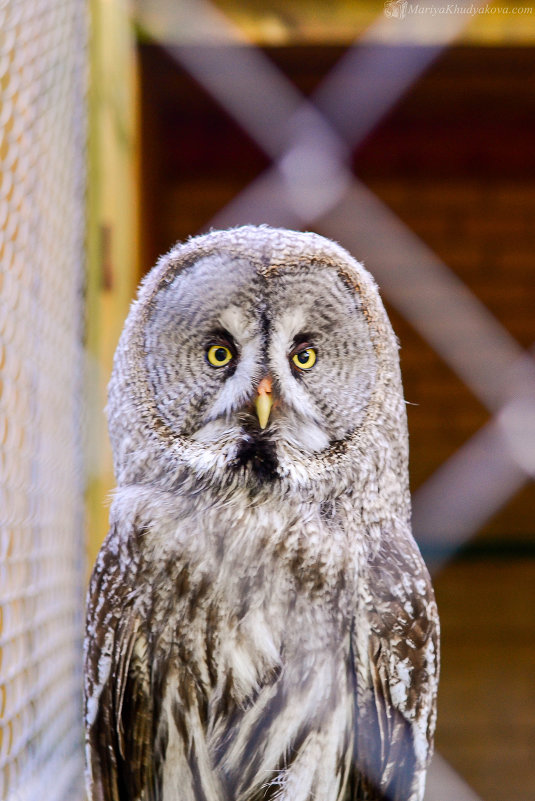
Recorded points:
42,131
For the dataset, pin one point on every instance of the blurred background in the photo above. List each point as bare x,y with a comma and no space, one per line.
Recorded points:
406,131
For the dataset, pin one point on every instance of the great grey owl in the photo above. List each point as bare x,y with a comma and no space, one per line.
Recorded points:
260,622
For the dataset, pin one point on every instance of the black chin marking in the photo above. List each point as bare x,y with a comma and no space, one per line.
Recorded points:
260,455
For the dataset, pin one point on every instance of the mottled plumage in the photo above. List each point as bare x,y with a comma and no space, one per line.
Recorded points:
260,622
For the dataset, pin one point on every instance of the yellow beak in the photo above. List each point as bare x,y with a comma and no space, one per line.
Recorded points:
264,401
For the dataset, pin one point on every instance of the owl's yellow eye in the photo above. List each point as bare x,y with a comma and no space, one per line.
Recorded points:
304,359
219,355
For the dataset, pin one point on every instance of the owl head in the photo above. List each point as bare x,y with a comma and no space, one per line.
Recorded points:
260,359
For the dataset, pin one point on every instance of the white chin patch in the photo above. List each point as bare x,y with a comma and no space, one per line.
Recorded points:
304,435
287,429
217,432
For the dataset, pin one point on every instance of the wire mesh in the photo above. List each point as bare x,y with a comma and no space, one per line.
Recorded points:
42,132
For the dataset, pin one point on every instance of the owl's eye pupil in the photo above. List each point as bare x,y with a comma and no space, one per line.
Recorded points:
220,354
302,357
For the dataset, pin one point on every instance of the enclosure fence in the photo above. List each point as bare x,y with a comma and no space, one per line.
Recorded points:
43,62
42,178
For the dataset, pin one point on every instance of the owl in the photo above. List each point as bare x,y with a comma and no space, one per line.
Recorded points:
260,622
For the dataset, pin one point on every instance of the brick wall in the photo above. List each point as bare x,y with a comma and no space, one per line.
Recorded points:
485,232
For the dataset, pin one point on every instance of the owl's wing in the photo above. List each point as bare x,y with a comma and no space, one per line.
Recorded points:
396,656
118,704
